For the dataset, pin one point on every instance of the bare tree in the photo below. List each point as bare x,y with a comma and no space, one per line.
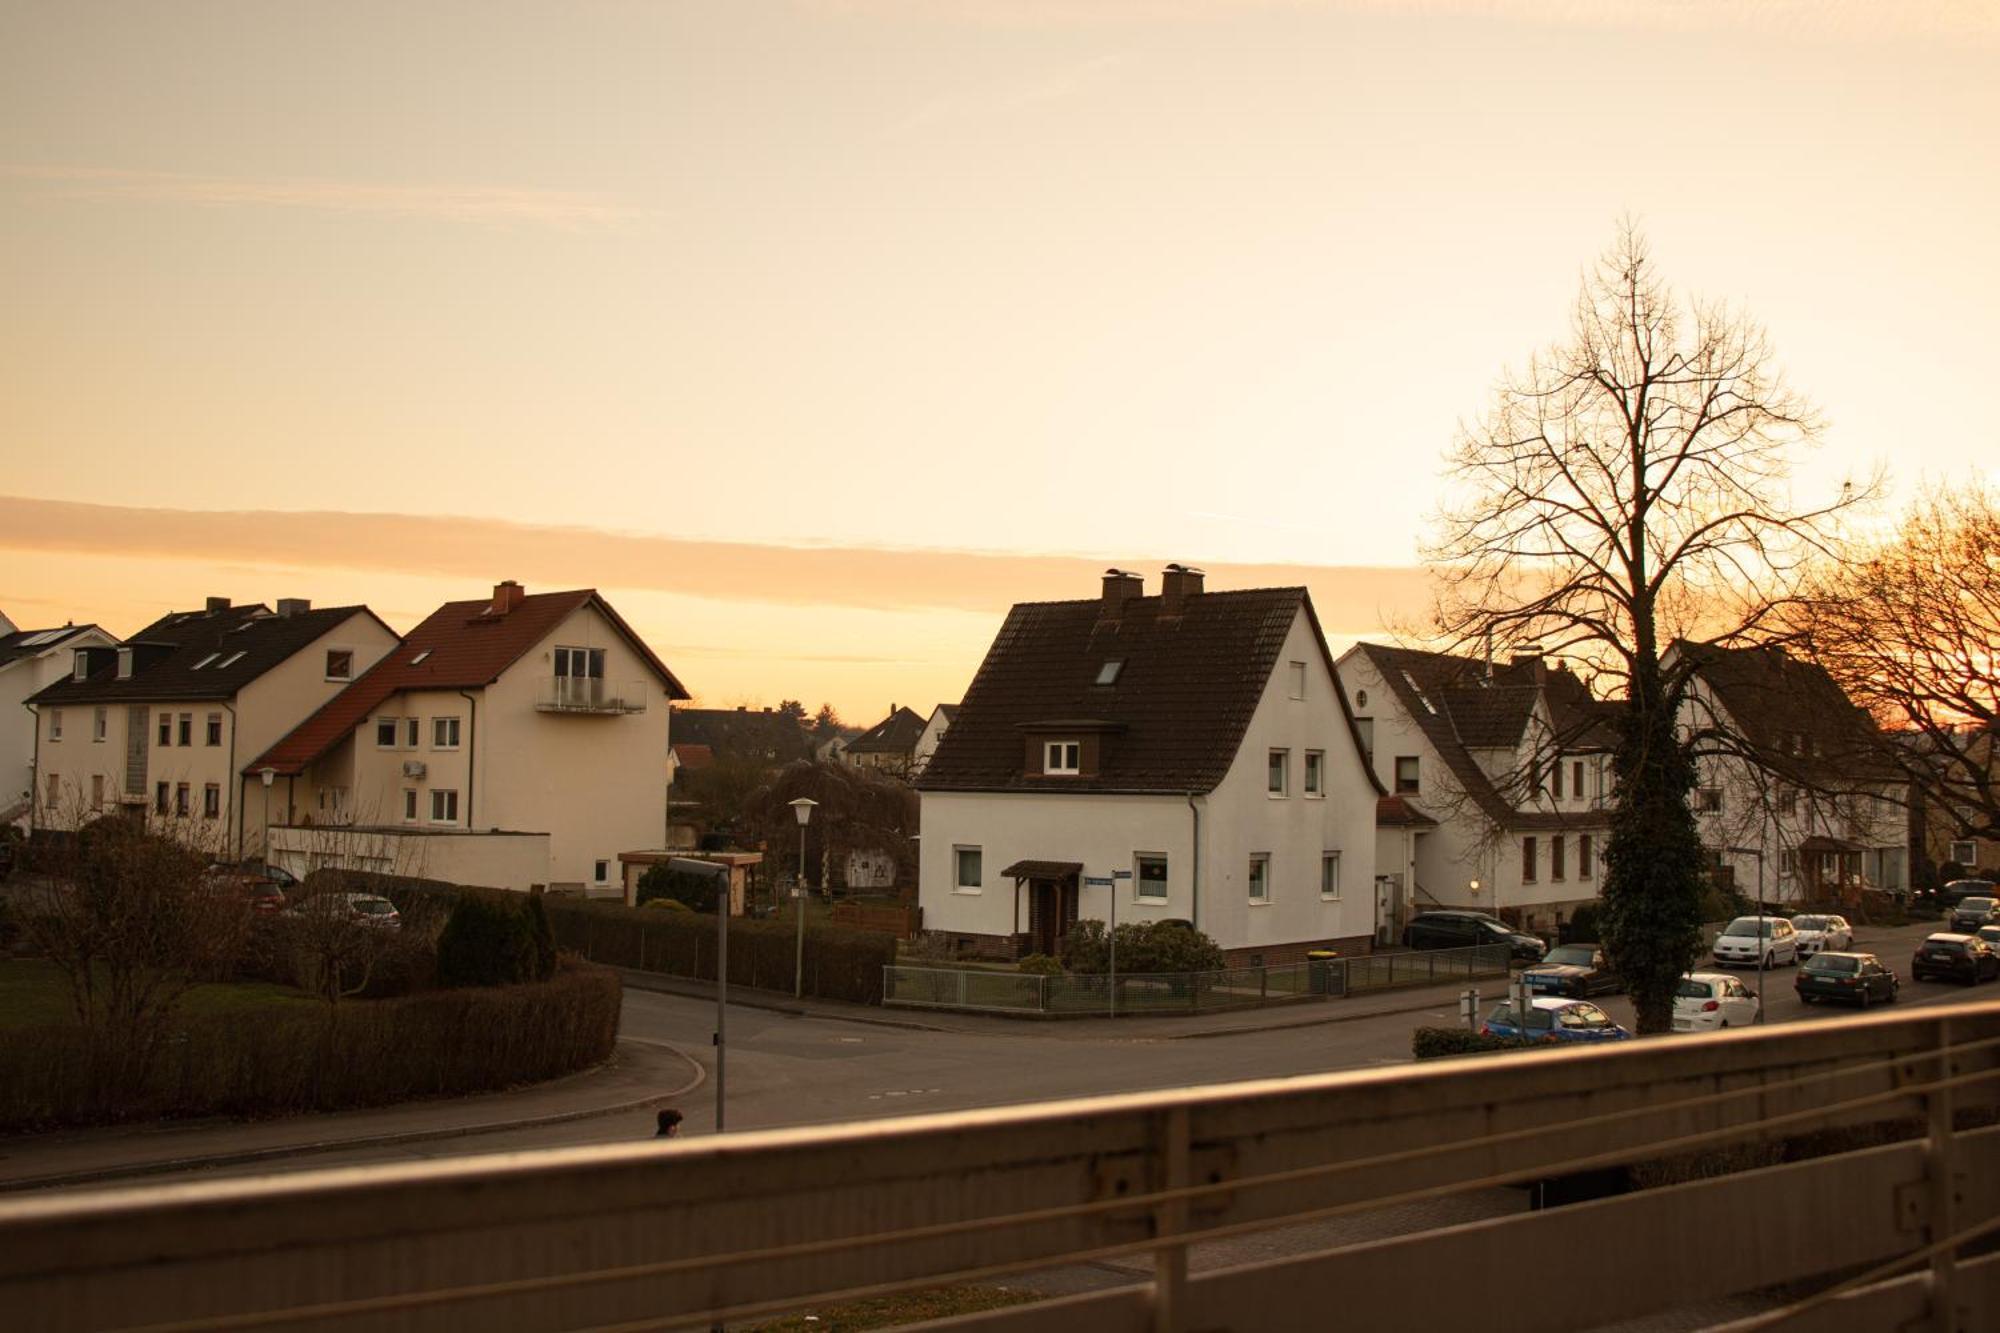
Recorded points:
327,947
1627,489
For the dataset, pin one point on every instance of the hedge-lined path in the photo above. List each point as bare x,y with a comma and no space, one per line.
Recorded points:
642,1074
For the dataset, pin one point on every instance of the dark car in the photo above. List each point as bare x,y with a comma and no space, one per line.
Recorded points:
1972,912
1948,957
1575,970
1858,978
1948,897
1462,930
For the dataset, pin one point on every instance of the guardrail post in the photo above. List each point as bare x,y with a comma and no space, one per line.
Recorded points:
1942,1166
1170,1225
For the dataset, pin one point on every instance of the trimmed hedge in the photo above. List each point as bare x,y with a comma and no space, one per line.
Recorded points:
1431,1043
326,1057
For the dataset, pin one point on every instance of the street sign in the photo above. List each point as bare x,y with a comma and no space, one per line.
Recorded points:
1121,874
1098,881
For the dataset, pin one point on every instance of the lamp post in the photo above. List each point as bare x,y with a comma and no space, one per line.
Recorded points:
269,775
803,808
682,865
1763,951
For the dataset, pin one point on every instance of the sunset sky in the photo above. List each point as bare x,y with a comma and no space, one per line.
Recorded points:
814,332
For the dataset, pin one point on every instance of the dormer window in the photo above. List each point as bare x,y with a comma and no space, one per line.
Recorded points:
82,665
1062,758
1108,673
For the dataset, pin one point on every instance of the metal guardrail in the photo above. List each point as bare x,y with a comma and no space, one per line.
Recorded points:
989,991
687,1233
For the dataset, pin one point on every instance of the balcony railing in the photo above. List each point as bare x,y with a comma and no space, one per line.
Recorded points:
589,694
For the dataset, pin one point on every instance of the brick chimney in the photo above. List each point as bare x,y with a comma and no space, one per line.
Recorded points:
217,604
1120,586
294,606
1178,583
506,596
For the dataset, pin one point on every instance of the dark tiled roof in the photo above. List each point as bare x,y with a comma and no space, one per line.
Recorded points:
33,642
462,645
1775,699
1178,709
895,734
759,734
1043,869
202,655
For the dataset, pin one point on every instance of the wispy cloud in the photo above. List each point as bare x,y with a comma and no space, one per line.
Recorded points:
485,204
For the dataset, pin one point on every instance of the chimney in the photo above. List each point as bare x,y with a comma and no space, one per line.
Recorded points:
1178,583
1120,586
1530,654
217,605
294,606
506,596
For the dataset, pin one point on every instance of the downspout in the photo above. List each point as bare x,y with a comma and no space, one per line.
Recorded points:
471,753
34,767
236,801
1194,883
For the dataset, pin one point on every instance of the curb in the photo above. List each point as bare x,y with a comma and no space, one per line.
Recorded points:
22,1184
664,985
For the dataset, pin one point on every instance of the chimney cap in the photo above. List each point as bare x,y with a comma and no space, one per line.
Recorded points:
1176,567
216,604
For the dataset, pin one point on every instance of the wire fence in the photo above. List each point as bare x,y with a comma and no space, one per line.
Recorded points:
984,990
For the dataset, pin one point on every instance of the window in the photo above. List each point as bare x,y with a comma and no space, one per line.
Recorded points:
1297,673
1365,728
1315,772
1329,875
100,725
215,728
1528,860
1108,673
1788,861
418,660
1788,801
409,805
601,871
97,791
1150,883
1406,773
55,724
1556,868
232,659
82,660
340,664
1576,780
1556,780
1062,757
580,662
1708,800
967,872
166,728
184,734
1260,878
161,794
211,801
1583,870
52,792
444,807
1965,853
385,733
444,733
1279,773
181,799
412,731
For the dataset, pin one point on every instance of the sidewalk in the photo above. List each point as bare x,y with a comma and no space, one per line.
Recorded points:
639,1074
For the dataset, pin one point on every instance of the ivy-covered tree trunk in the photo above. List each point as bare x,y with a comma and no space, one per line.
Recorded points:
1653,863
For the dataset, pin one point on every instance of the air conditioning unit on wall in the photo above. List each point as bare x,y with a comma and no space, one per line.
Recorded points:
413,768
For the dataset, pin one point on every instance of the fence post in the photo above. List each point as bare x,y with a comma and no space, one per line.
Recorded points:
961,988
1433,962
1041,994
1942,1168
1170,1260
1263,985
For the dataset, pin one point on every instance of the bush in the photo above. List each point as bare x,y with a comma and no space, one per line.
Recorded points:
668,905
1143,946
542,937
487,942
326,1057
1040,965
695,892
1431,1043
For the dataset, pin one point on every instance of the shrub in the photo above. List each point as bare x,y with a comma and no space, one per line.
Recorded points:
1040,965
542,937
668,905
696,892
1143,946
1430,1043
487,942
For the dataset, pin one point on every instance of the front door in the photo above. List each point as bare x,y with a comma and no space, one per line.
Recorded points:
1052,908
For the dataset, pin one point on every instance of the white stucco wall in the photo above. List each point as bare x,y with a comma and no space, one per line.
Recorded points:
19,679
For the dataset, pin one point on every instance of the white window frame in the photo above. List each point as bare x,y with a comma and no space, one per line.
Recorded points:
1278,763
1329,861
1139,880
100,726
211,800
166,738
1416,786
1971,857
448,797
1314,779
344,675
211,731
184,730
1259,861
1062,758
439,723
958,851
1295,679
55,725
410,806
601,871
183,800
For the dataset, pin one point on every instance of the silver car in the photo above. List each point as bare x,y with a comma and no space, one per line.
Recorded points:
1747,940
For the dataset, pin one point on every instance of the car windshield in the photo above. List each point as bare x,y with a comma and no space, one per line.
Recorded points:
1690,989
1810,922
1975,904
1750,925
1577,955
1585,1016
1937,945
1503,1016
1991,934
1833,962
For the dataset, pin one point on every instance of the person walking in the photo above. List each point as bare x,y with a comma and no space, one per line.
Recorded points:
670,1124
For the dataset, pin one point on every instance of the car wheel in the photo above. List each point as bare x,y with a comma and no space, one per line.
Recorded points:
1867,997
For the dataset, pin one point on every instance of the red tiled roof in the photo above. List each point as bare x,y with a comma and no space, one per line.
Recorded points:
1395,812
462,645
693,755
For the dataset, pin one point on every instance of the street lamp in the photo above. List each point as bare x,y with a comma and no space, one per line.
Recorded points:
803,808
1762,950
269,775
682,865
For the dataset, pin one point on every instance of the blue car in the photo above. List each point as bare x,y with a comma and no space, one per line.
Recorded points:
1553,1019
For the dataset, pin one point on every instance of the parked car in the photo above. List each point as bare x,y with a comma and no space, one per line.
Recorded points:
1973,912
1462,930
363,909
1575,970
1948,896
260,895
1705,1001
1857,977
1948,957
1991,934
1820,932
1555,1020
1749,938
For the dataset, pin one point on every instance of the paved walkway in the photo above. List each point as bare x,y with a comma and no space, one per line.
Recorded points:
640,1074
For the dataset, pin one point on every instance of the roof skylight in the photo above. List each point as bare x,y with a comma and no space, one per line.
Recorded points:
204,661
1108,673
233,658
418,660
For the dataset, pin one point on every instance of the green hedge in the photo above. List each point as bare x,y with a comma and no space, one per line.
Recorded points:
325,1057
1430,1043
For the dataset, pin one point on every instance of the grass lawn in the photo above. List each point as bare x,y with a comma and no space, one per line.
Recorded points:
890,1311
33,994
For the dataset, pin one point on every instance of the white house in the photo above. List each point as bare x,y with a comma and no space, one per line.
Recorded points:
933,732
31,660
508,741
1196,742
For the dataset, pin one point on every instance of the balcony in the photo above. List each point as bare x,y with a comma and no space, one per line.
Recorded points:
590,695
